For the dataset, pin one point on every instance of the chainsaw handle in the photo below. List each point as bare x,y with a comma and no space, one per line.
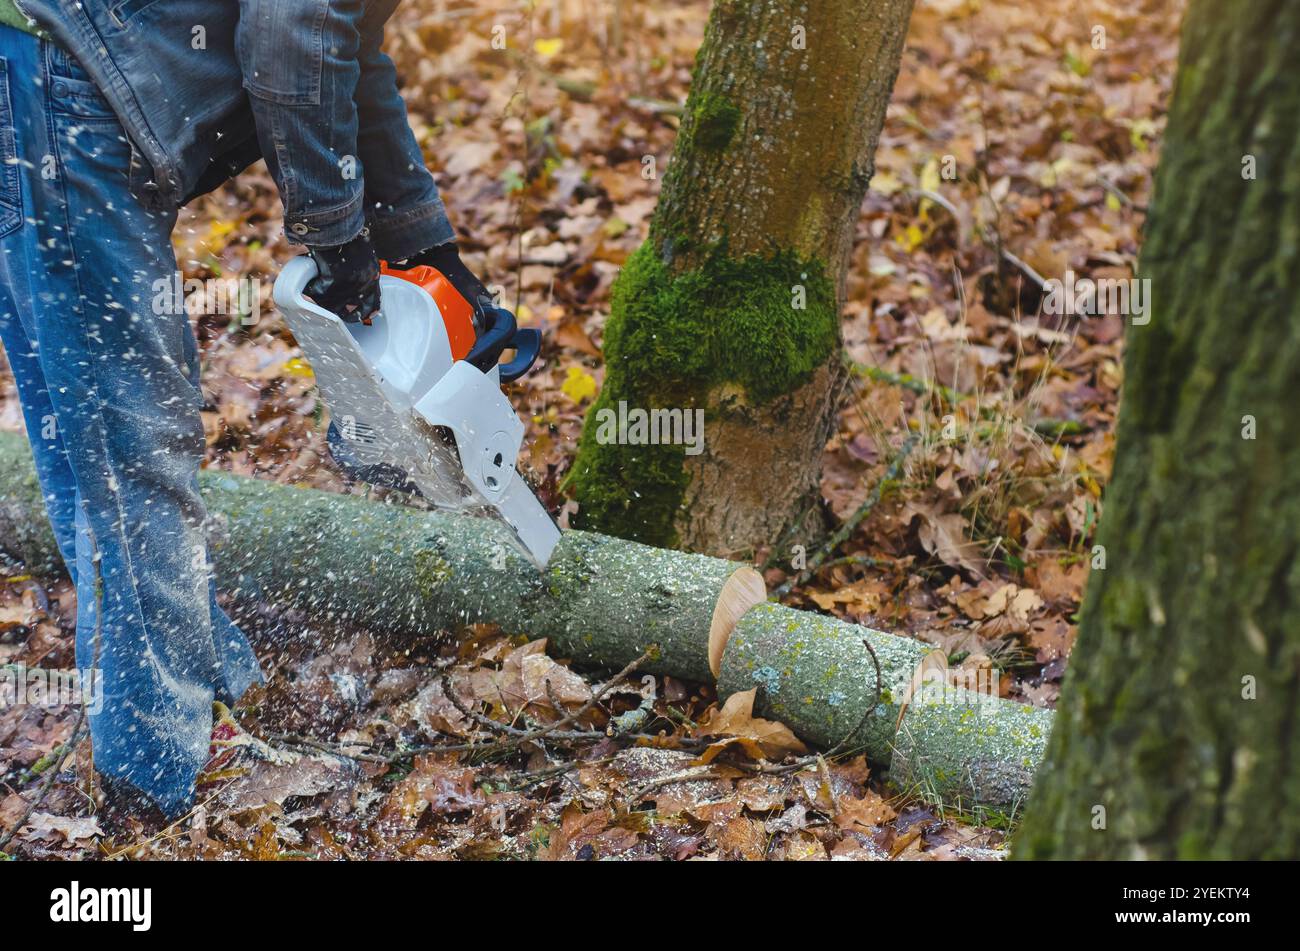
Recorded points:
289,291
487,349
527,344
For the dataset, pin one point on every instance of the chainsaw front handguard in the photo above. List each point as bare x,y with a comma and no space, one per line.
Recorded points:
502,334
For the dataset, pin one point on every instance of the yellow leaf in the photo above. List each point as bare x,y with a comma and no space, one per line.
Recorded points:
298,367
930,180
218,235
578,385
912,238
886,183
1142,130
548,48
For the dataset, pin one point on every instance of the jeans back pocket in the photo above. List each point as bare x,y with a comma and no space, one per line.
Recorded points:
11,189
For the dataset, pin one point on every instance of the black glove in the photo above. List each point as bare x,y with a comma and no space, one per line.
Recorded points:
445,258
347,282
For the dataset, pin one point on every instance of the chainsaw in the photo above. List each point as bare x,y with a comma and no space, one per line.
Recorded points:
415,396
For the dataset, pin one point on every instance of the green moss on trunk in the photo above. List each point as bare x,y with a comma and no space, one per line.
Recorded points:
716,119
757,328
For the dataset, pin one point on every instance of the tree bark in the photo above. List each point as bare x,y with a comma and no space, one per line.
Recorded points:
1177,731
732,304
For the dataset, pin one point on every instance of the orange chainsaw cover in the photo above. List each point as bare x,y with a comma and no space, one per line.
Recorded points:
457,314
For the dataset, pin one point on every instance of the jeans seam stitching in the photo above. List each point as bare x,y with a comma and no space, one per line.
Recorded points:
119,529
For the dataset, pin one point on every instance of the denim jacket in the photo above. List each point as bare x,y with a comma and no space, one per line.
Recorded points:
203,88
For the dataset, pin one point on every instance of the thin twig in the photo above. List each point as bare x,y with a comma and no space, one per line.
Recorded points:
852,522
844,741
963,223
686,776
818,760
599,695
1025,269
499,745
530,779
1115,190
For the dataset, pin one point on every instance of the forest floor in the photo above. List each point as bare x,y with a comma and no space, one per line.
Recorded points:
997,420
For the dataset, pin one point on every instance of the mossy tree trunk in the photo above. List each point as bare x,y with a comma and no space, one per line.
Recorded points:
731,307
1178,727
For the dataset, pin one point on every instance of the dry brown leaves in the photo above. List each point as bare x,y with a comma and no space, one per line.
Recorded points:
981,547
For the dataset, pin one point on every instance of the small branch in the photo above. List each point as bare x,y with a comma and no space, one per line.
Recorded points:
963,224
1047,426
844,741
530,779
662,107
1028,271
692,775
852,522
909,382
1115,190
597,696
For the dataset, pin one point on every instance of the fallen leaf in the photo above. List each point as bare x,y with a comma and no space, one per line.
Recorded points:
736,719
739,838
73,830
865,814
578,385
300,775
571,336
944,536
433,785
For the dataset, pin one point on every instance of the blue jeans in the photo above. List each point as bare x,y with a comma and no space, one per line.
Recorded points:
110,396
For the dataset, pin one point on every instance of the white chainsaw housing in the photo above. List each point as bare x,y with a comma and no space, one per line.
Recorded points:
388,382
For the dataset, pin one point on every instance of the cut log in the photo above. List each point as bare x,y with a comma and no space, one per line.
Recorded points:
954,746
602,602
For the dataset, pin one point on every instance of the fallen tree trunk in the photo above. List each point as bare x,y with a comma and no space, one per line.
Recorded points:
954,746
601,601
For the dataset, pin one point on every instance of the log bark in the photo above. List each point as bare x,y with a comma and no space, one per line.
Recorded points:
731,306
1177,735
601,601
967,751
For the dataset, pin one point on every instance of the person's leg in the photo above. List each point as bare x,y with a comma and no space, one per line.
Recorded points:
58,486
229,639
118,378
403,208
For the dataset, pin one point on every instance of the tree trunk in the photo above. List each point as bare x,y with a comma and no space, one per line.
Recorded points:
731,307
1177,735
